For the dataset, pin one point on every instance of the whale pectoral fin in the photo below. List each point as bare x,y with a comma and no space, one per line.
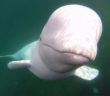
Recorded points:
19,64
86,72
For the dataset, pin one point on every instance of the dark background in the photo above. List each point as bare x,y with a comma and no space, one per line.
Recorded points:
21,22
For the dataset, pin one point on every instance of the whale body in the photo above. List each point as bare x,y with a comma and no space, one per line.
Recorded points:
66,45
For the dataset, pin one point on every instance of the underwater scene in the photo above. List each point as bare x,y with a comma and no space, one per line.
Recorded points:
54,48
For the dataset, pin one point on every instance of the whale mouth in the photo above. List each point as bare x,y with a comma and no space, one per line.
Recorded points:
71,58
76,59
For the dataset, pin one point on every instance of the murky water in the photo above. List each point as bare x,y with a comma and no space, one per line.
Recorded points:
21,22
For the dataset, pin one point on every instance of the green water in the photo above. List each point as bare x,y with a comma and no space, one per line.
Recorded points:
21,22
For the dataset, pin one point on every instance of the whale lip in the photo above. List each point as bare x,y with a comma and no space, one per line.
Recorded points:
76,59
72,57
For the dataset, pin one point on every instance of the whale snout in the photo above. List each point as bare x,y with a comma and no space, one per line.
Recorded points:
80,55
82,52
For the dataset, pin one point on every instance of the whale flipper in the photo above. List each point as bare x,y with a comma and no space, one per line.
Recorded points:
86,72
19,64
83,72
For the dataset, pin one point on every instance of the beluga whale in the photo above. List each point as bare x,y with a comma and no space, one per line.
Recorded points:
66,46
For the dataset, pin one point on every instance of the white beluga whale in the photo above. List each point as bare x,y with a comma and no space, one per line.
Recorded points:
66,46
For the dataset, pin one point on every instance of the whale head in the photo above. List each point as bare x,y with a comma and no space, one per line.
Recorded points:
69,38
